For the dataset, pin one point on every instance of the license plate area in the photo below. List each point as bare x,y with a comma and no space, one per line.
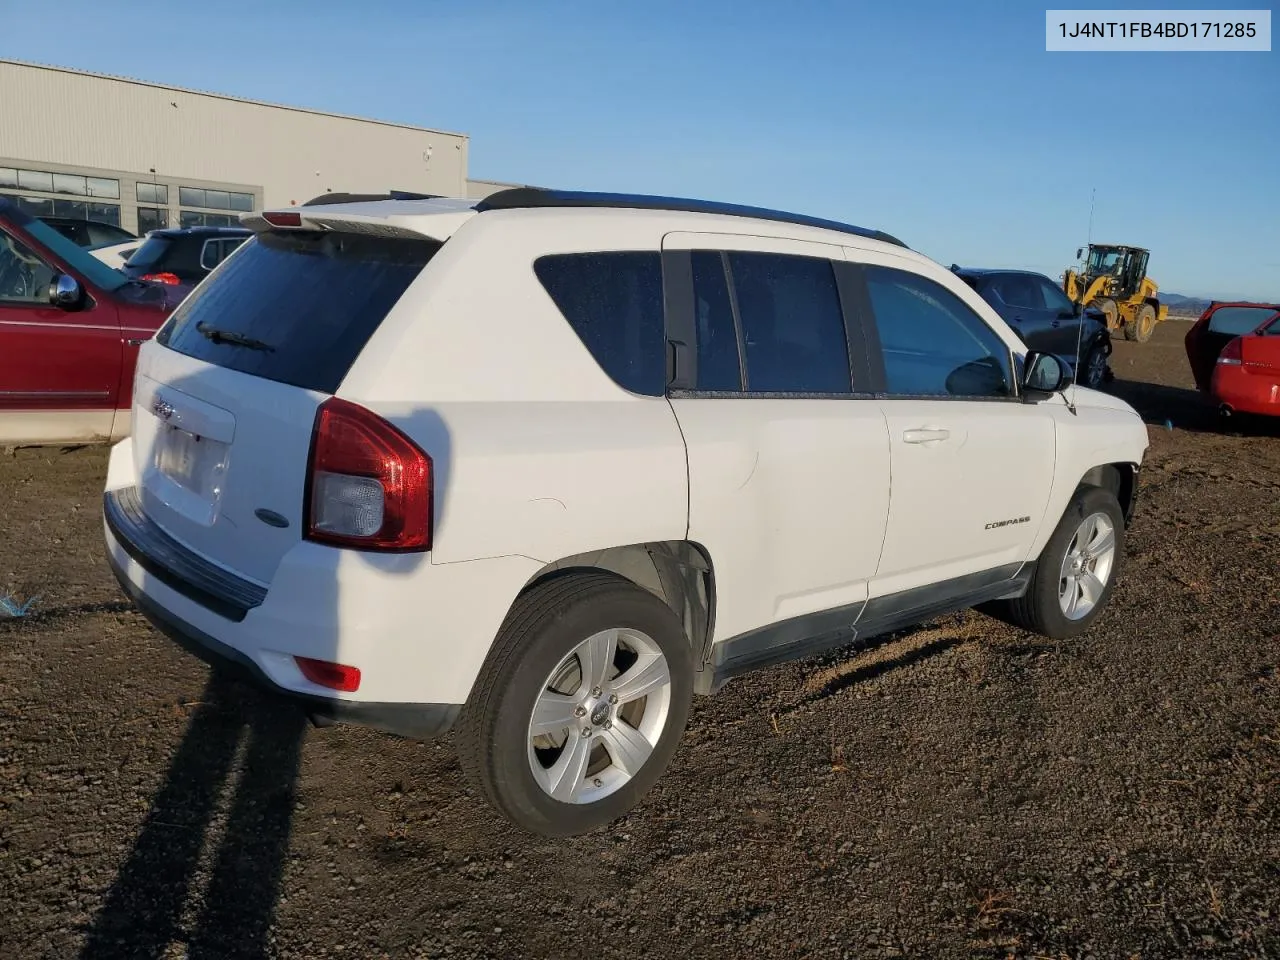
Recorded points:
196,464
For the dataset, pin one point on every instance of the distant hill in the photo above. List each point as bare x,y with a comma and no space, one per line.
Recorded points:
1180,306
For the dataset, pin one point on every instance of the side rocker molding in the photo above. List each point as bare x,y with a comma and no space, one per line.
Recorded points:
825,630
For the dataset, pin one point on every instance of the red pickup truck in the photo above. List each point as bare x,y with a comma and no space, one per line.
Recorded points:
70,327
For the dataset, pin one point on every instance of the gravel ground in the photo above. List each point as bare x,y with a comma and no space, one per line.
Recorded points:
965,790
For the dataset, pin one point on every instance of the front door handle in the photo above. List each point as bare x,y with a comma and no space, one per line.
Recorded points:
925,435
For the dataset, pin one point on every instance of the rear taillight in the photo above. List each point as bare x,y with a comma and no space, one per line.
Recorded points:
368,485
1232,354
335,676
169,278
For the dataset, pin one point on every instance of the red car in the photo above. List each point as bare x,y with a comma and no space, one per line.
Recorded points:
70,327
1234,350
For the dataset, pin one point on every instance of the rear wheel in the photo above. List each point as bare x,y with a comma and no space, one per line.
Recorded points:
580,705
1076,571
1142,325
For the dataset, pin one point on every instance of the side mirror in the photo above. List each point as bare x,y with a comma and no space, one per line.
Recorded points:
1079,252
65,292
1043,373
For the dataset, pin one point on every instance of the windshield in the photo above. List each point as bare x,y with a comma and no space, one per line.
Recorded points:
88,266
1105,261
1237,321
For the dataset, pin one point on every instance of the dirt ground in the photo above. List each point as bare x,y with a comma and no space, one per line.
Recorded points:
965,790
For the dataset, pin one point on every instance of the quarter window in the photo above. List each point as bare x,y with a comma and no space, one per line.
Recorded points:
613,301
933,344
792,324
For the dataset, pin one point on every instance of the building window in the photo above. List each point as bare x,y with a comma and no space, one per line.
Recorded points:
34,180
36,206
197,218
153,193
214,199
71,209
151,218
65,183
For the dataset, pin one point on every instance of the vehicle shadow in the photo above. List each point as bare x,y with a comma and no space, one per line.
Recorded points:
1187,409
1158,405
144,910
205,870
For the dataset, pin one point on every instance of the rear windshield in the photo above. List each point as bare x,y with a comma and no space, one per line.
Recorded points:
1237,321
151,252
306,303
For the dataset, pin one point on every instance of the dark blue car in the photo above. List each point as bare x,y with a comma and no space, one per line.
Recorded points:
1042,316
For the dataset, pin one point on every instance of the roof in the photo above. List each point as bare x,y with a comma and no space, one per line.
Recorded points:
223,96
537,197
1120,246
401,214
989,271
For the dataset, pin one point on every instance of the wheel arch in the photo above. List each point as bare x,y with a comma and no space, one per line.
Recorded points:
1120,479
677,572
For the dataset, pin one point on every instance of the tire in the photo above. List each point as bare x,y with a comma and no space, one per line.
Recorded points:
550,634
1094,367
1109,310
1040,610
1142,325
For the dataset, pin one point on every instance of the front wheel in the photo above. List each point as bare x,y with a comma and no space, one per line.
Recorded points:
580,705
1076,571
1093,369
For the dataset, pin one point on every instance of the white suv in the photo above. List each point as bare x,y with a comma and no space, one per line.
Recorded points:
541,467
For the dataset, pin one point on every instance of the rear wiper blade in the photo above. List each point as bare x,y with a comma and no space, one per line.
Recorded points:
232,338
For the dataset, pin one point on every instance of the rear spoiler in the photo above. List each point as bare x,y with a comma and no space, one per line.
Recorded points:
329,198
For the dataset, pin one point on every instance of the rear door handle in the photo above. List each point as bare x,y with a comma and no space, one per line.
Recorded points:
925,435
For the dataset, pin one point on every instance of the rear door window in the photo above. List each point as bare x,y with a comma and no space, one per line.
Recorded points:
1020,291
719,368
793,333
613,301
304,304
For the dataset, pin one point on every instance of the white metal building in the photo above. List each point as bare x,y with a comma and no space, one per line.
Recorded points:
144,155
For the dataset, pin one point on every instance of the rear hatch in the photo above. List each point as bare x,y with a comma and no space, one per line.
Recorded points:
1220,325
226,395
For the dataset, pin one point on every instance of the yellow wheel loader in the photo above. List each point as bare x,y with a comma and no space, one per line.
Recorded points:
1115,283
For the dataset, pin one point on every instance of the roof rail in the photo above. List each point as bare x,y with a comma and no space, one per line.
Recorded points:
328,198
519,198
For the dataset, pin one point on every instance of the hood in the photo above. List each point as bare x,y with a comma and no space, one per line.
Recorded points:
1097,400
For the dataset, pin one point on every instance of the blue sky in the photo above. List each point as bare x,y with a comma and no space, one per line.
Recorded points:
946,124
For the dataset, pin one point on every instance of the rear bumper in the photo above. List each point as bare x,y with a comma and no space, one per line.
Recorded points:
1245,391
416,720
418,631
